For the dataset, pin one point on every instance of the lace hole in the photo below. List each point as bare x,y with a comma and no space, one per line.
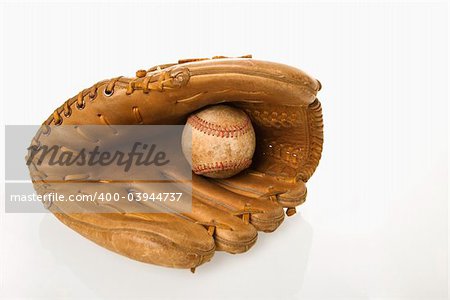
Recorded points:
92,95
67,114
46,130
59,122
108,93
80,107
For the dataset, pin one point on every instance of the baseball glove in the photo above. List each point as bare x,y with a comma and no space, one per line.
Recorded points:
226,213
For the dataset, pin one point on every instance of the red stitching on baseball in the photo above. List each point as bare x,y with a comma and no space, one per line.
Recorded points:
221,166
209,128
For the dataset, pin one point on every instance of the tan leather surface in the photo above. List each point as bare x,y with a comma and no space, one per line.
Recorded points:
226,214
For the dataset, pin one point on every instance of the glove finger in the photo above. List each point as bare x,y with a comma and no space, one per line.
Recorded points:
288,194
156,238
263,215
230,233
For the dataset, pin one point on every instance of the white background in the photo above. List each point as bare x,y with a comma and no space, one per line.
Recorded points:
375,225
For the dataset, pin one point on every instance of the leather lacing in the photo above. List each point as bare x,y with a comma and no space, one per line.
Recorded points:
212,225
147,84
246,212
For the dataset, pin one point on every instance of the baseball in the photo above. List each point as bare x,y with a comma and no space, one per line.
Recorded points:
218,141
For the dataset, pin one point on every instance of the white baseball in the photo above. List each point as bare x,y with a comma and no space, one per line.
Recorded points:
219,141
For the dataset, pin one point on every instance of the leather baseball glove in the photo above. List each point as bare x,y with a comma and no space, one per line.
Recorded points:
226,213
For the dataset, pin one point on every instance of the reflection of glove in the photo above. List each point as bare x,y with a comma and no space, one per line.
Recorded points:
226,213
